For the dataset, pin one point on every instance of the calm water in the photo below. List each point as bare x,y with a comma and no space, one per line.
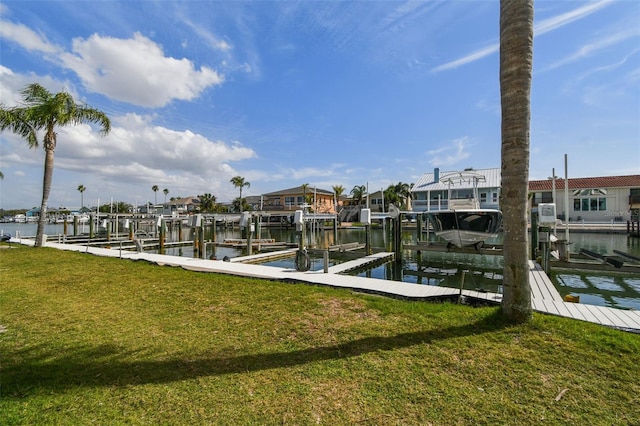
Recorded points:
479,272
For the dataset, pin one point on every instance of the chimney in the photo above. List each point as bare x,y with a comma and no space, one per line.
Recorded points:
436,175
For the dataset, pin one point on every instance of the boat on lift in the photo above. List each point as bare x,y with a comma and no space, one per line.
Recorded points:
464,223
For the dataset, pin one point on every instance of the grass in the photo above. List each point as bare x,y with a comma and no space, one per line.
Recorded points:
108,341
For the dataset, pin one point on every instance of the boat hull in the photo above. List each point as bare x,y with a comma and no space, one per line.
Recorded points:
466,227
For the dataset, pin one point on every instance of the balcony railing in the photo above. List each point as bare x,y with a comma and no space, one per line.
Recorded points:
435,205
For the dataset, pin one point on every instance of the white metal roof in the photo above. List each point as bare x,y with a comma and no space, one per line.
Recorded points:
487,178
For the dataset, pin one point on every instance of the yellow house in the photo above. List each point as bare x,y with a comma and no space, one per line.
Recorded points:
292,199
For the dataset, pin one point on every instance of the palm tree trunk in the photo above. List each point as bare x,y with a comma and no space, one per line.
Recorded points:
46,189
516,57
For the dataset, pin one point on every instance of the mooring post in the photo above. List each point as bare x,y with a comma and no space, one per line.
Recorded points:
75,225
461,286
534,233
419,233
203,251
162,234
65,227
367,239
257,220
397,239
92,221
325,259
195,241
545,247
249,238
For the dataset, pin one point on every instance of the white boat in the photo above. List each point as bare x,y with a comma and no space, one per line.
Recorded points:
82,217
464,223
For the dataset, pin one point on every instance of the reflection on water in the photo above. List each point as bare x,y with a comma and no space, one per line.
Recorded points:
618,291
472,271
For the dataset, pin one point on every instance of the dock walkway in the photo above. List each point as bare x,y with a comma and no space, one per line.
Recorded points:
544,296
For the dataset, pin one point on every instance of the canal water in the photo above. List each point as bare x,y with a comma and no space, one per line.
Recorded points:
469,271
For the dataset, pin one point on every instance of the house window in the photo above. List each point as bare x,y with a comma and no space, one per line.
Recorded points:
587,192
494,197
483,197
289,201
592,204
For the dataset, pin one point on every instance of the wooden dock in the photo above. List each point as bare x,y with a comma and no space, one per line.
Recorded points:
544,296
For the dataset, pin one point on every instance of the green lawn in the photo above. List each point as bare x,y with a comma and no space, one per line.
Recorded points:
88,340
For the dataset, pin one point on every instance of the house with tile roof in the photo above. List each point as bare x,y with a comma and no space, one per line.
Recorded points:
591,199
432,190
181,205
292,199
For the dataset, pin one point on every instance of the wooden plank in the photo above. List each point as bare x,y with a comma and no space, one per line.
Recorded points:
574,311
264,256
599,315
562,309
604,316
548,307
635,316
588,315
631,319
543,285
359,263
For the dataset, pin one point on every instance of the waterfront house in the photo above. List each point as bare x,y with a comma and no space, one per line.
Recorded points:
180,206
292,199
591,199
432,190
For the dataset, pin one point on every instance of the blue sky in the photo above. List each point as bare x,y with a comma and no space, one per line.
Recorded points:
319,92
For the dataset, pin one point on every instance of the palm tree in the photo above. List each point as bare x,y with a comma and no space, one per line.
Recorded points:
403,191
391,196
42,110
1,176
338,190
304,187
516,57
207,202
166,192
358,193
239,182
81,188
155,188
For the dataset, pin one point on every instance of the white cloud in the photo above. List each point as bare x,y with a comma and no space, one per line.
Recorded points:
132,70
471,57
450,155
136,144
136,71
567,18
206,35
539,29
26,38
598,45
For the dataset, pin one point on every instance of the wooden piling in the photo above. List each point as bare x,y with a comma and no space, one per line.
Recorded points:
201,242
534,233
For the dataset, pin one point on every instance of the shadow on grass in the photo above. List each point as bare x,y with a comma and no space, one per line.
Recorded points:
105,365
